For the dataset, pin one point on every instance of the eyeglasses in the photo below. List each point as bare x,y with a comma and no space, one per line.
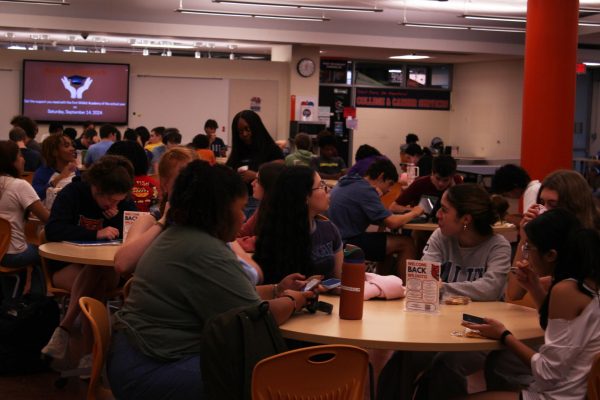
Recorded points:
322,185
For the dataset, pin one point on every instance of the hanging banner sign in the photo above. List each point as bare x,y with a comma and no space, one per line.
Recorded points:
402,98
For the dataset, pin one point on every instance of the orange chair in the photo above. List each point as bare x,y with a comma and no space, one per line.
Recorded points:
5,234
594,379
322,372
97,315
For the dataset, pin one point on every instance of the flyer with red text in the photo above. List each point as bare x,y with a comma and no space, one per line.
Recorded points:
422,284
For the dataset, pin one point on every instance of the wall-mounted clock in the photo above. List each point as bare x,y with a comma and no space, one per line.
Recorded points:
306,67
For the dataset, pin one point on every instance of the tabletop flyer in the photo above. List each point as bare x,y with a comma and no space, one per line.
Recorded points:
129,217
422,284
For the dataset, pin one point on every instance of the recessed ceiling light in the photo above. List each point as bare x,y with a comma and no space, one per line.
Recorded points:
410,57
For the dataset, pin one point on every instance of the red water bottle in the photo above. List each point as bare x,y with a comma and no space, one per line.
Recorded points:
353,283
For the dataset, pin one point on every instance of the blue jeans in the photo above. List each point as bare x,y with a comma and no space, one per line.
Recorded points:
28,257
133,375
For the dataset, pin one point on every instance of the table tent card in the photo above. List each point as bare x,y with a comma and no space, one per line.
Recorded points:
422,284
129,217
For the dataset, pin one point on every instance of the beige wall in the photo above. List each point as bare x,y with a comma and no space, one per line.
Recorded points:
242,74
386,129
484,119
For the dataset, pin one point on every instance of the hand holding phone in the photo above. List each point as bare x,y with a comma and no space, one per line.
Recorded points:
311,284
472,319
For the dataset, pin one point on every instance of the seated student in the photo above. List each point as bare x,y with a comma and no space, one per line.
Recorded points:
31,130
145,188
262,188
88,138
513,182
531,273
186,277
170,138
291,238
33,158
71,133
108,135
561,366
60,168
364,157
215,143
200,144
355,204
147,227
327,163
88,209
474,263
302,155
565,189
17,198
155,139
442,177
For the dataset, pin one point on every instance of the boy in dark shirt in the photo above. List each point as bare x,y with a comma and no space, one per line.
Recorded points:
328,164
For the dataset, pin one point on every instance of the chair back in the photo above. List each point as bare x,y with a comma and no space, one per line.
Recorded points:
97,315
594,379
5,232
322,372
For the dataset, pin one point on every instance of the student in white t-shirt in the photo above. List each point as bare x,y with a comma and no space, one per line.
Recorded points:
17,197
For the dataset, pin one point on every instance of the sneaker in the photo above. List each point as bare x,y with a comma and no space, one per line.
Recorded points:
57,346
85,366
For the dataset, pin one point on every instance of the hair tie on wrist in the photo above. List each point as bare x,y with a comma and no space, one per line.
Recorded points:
504,335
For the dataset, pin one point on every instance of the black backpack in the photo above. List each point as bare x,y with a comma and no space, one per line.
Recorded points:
26,325
232,344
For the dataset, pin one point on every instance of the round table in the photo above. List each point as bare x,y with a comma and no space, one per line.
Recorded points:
89,255
430,226
385,325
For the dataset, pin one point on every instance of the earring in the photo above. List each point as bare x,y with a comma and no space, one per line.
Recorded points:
464,227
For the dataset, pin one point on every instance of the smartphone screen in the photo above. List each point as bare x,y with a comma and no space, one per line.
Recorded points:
311,284
473,319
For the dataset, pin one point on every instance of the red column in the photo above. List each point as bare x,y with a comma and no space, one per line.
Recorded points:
549,86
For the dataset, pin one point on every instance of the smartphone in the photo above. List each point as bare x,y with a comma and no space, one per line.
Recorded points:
473,319
331,283
311,284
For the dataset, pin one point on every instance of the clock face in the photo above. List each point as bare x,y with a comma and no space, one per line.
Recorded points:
306,67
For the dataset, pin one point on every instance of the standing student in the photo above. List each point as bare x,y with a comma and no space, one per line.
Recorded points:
252,146
88,209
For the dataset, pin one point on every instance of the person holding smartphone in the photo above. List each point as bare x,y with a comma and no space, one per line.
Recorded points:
561,366
186,277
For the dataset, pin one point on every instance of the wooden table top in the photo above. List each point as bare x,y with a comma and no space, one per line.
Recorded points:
431,226
89,255
385,325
